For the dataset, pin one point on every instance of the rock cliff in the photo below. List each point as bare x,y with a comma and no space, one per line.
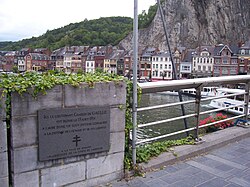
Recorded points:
197,22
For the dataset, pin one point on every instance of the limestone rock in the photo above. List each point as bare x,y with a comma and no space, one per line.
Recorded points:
197,22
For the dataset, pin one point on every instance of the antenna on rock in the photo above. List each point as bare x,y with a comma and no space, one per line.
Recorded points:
175,76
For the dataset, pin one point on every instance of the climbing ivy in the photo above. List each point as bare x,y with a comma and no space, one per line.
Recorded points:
21,83
34,83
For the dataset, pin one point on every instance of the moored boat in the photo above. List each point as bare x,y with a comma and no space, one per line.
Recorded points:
236,103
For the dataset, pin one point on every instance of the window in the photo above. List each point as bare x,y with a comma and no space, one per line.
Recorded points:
185,68
234,61
225,61
217,61
160,66
243,51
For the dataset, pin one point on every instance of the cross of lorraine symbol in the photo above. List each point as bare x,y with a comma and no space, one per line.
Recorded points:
76,139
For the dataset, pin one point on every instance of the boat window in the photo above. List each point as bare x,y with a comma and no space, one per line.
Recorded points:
236,108
241,109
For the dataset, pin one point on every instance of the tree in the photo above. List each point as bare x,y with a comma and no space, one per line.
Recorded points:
15,69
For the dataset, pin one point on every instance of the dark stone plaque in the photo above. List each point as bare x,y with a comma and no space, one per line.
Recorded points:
64,133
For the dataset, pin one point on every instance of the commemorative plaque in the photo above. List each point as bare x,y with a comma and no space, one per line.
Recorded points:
64,133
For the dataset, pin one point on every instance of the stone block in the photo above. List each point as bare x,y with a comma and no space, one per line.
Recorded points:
28,179
3,137
4,182
63,175
24,159
24,131
3,165
101,180
117,122
27,105
117,142
2,107
104,165
102,94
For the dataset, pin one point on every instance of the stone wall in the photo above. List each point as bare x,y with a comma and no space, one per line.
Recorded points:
84,170
4,180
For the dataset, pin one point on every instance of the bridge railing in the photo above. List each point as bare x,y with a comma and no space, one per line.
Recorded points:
197,84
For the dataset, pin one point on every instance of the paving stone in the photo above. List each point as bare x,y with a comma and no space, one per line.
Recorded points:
209,169
181,166
137,183
224,167
226,162
172,178
157,183
154,175
240,181
247,177
181,184
188,171
216,182
170,169
236,173
242,150
232,185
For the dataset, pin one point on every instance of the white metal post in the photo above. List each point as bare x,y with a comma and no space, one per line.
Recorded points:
135,62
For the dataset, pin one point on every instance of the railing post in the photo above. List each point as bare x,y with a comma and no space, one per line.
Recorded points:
197,111
246,100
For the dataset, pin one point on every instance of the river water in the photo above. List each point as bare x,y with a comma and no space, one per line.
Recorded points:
153,99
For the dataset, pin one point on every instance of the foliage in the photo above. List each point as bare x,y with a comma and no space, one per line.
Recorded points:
97,32
40,82
102,31
144,19
34,83
145,152
217,126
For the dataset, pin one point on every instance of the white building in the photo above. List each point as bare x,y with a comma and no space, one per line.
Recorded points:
203,62
161,66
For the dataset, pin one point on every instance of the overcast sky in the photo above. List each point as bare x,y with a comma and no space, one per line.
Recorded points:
20,19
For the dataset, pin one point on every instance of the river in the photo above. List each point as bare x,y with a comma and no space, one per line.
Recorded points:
165,113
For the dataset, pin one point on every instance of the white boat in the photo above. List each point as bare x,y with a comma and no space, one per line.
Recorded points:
236,101
206,92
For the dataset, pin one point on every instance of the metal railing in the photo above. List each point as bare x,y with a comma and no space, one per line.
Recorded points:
198,84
